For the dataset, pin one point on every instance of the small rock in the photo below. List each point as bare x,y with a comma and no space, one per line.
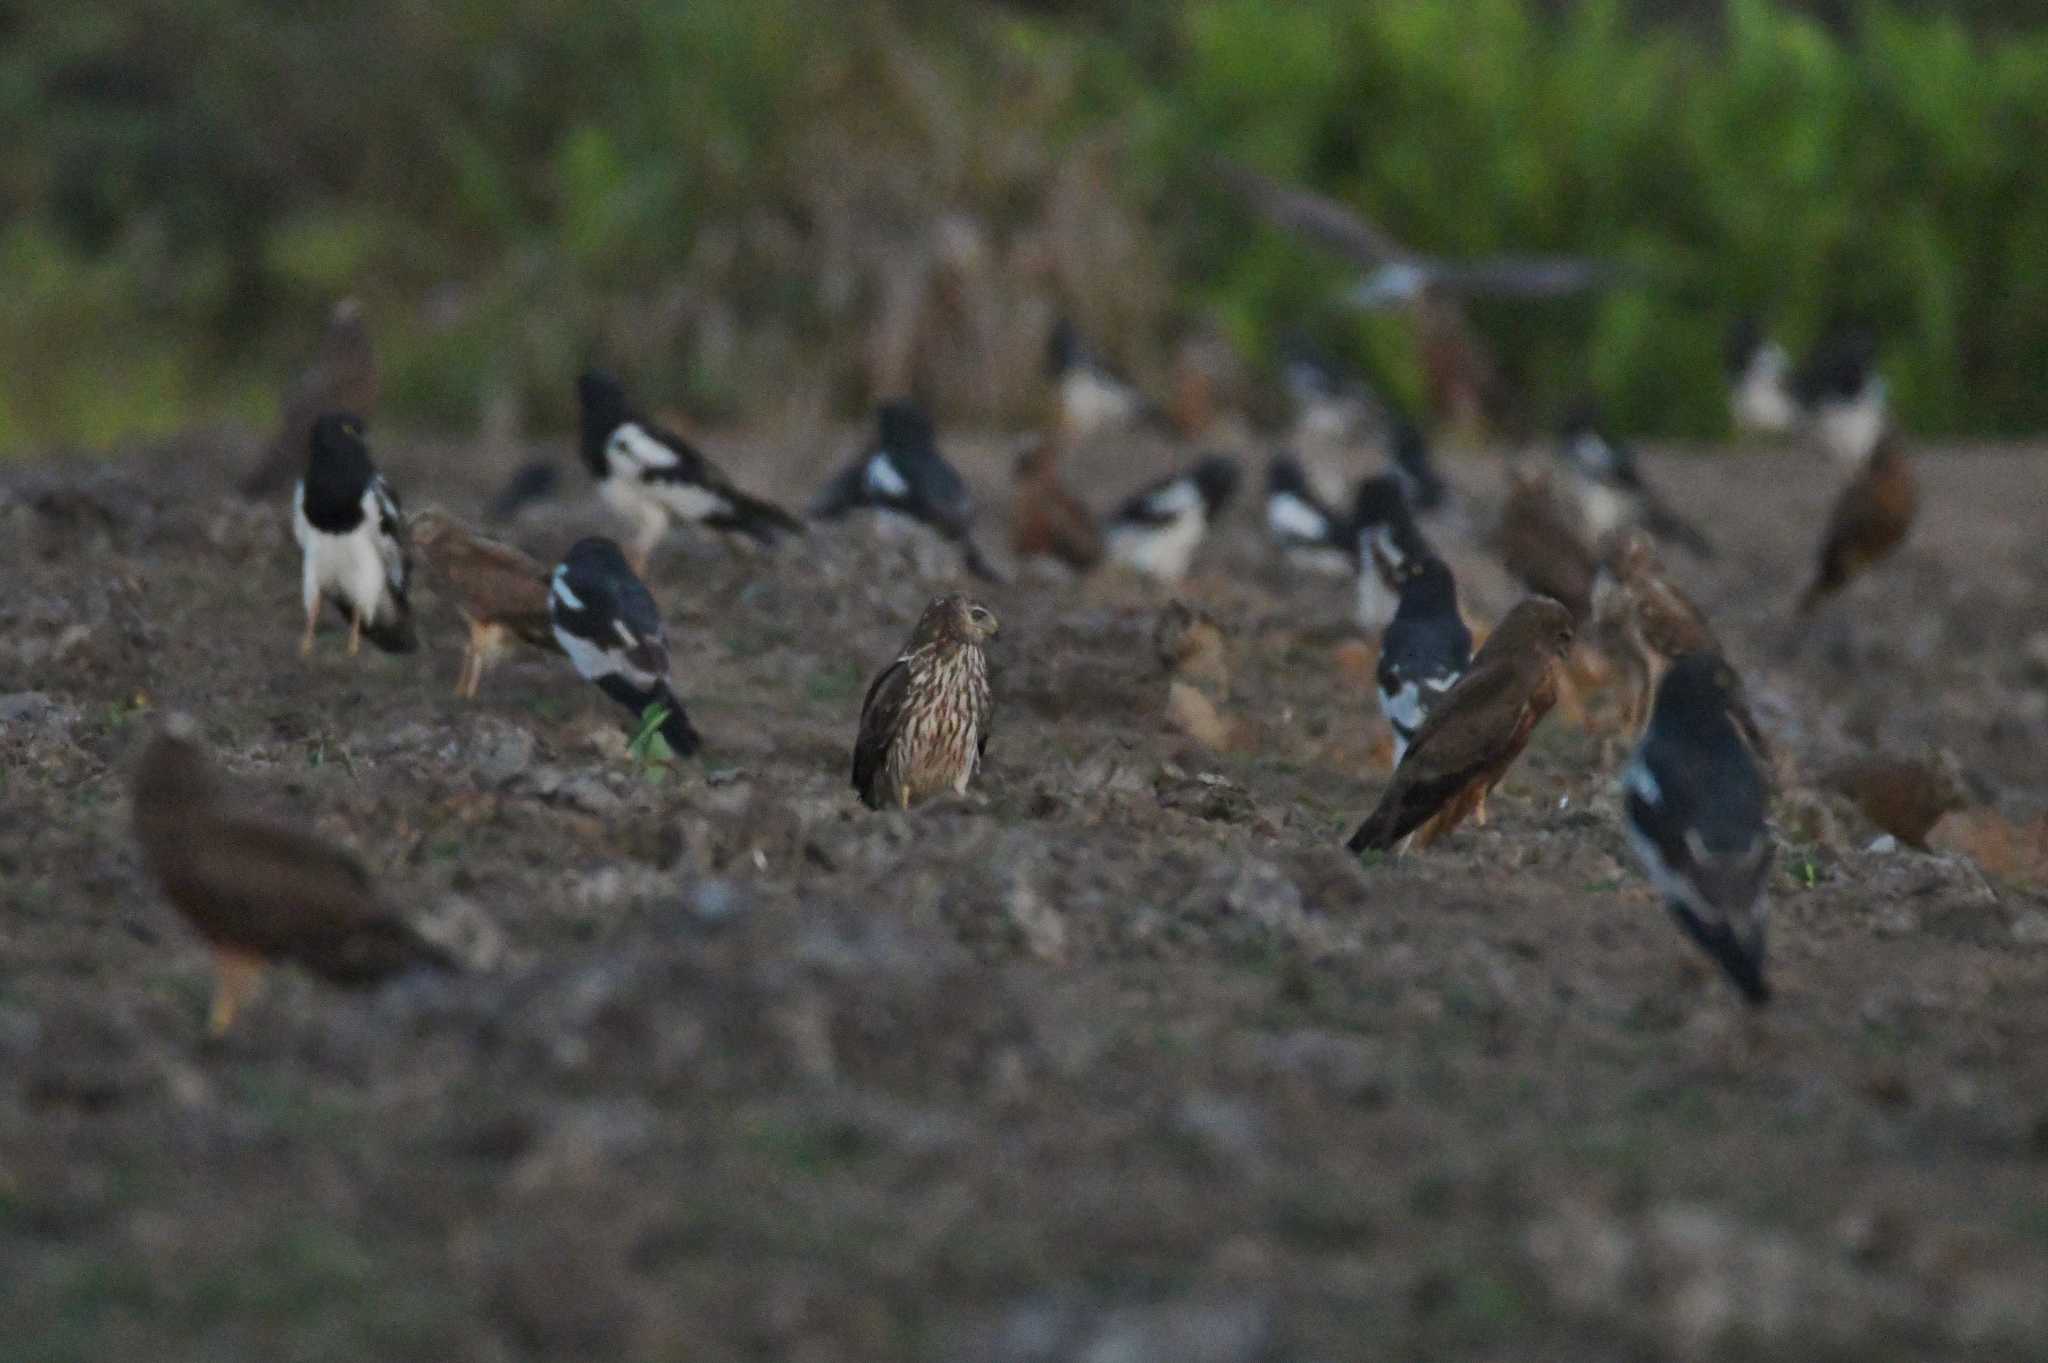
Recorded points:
714,899
1884,845
501,752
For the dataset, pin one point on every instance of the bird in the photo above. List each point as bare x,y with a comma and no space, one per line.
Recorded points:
924,724
1759,371
260,892
1693,806
1385,536
653,478
1425,649
1409,460
1303,527
1540,544
1330,408
1871,516
1643,619
1610,488
500,590
1049,521
342,377
1841,394
1474,733
605,619
1092,396
1157,530
903,473
531,482
352,540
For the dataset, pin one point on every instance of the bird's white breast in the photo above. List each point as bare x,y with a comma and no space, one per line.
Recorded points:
1850,430
1093,402
1162,551
1289,517
883,479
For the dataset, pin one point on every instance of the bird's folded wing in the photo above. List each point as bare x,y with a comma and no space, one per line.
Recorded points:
881,713
268,889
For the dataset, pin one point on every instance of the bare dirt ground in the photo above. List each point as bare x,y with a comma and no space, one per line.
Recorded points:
1120,1059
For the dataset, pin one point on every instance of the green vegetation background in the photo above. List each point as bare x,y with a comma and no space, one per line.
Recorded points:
722,189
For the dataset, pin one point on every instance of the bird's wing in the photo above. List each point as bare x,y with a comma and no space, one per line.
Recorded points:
637,622
1321,219
881,712
268,889
495,582
394,546
1484,716
1670,622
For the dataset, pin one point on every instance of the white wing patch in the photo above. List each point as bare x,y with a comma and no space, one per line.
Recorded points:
631,450
562,592
1639,780
1289,517
882,478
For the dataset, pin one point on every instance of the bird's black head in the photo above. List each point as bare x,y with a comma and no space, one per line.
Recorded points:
903,428
1062,348
604,409
1840,363
1216,477
1379,501
596,558
1427,587
1284,474
338,470
1697,697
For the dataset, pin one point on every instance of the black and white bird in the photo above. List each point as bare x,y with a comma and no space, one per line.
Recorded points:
606,621
1842,394
1093,397
1408,458
1386,537
903,474
1693,803
1157,531
1330,408
352,540
1309,532
1610,490
1759,371
1425,649
652,477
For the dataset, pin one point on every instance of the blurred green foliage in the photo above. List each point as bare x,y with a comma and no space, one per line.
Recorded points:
715,188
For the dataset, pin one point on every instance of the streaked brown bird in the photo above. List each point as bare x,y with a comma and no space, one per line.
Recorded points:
342,377
1475,733
1642,619
259,892
1538,542
925,723
500,590
1047,520
1870,519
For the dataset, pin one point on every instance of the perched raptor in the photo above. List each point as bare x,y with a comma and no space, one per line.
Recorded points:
1475,732
653,477
1540,545
1870,518
342,377
260,892
1694,802
1642,619
352,541
501,591
1047,520
924,725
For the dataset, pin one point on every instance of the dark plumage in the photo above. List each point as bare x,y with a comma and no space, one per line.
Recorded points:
1047,519
1157,529
904,473
530,483
1329,407
1301,524
1841,393
1611,491
342,377
1409,460
1092,396
260,892
1870,519
606,621
924,724
1541,545
653,477
500,590
1385,537
1475,733
352,540
1694,805
1424,651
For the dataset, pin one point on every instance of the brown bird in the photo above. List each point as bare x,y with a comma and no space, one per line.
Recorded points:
259,892
1048,520
501,591
1870,518
925,723
1539,543
1642,618
1475,733
341,378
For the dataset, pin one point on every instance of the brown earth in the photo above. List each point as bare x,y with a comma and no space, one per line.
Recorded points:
1119,1059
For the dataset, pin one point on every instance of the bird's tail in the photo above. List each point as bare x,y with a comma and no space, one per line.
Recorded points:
532,483
758,520
1378,833
1665,523
676,730
841,495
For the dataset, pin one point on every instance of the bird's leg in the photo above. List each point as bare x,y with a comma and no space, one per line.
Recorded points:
312,619
235,978
472,664
355,632
1479,811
